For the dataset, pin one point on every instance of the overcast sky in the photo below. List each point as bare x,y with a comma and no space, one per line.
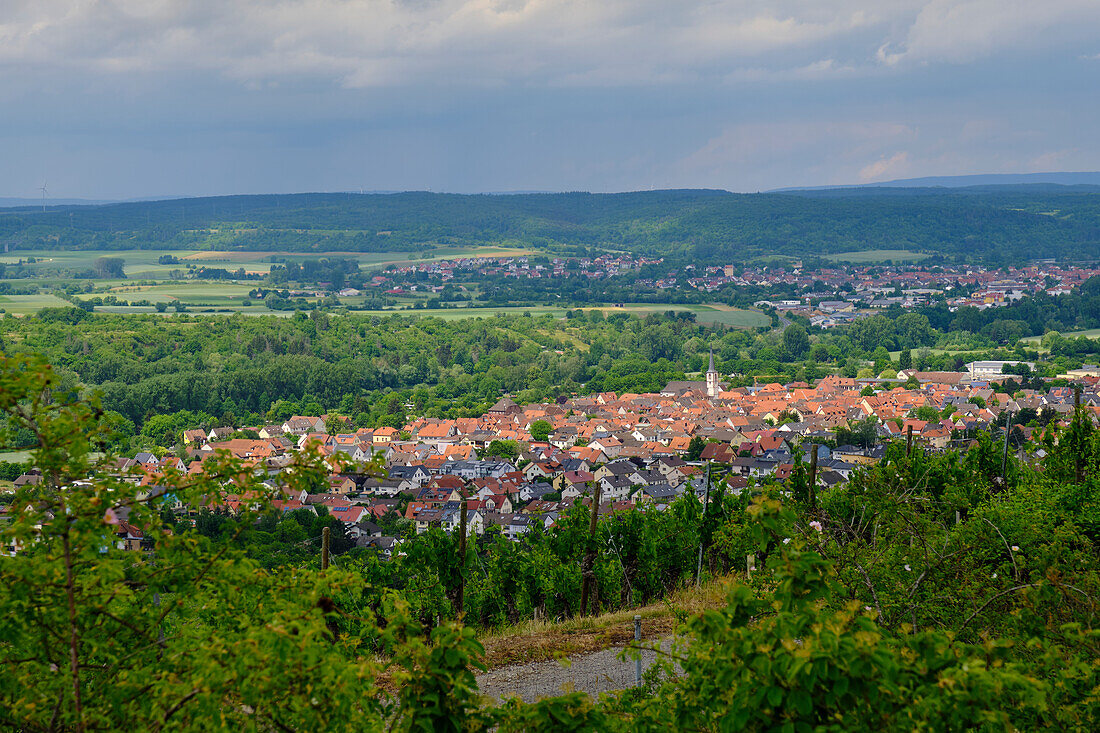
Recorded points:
131,98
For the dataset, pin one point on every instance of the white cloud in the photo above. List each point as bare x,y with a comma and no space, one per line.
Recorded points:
1053,160
959,31
885,168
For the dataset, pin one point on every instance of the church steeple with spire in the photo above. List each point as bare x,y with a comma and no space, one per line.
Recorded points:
713,388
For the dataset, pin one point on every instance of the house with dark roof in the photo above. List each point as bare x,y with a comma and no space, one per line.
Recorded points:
656,494
505,406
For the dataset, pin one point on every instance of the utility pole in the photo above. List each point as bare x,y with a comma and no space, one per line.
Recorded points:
587,568
325,538
460,598
1004,460
702,522
908,439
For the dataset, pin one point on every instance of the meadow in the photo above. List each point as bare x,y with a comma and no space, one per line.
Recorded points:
214,302
143,263
1036,341
709,314
873,256
147,279
201,292
1090,333
24,304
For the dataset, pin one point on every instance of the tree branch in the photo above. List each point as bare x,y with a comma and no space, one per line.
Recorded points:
74,635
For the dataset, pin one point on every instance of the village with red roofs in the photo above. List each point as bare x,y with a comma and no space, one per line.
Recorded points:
625,450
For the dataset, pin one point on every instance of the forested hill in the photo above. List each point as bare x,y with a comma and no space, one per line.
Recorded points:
992,225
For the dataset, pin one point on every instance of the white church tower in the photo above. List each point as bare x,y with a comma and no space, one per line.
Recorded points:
713,388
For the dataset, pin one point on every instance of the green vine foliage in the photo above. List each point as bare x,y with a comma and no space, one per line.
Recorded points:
803,656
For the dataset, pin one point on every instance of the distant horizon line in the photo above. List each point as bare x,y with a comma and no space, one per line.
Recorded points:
954,181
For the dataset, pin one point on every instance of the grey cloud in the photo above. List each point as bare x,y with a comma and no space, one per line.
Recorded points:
368,43
140,97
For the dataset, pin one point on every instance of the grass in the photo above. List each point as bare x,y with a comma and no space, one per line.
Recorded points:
705,314
940,352
1036,341
201,292
16,456
708,314
136,259
24,304
212,310
1090,333
227,296
878,255
454,314
729,316
205,297
142,263
537,641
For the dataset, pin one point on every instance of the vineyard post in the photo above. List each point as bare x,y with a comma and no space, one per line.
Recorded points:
588,568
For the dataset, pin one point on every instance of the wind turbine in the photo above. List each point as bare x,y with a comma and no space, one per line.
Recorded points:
43,190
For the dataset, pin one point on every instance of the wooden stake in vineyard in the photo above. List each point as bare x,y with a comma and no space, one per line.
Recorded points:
1077,466
702,521
813,476
461,596
588,574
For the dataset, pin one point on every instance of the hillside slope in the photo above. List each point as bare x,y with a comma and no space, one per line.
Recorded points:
991,225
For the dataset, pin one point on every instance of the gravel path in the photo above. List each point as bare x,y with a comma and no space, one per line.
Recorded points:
593,673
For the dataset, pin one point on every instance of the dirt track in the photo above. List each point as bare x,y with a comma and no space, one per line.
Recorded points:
594,672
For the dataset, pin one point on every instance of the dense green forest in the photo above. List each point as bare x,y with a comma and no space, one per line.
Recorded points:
991,225
926,593
368,368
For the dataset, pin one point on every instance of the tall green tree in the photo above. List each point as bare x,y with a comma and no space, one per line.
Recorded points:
795,341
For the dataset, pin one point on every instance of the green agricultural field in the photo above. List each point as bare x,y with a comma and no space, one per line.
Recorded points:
727,316
705,314
455,314
1091,333
261,261
23,304
200,310
940,352
1036,341
142,263
871,256
139,263
199,292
